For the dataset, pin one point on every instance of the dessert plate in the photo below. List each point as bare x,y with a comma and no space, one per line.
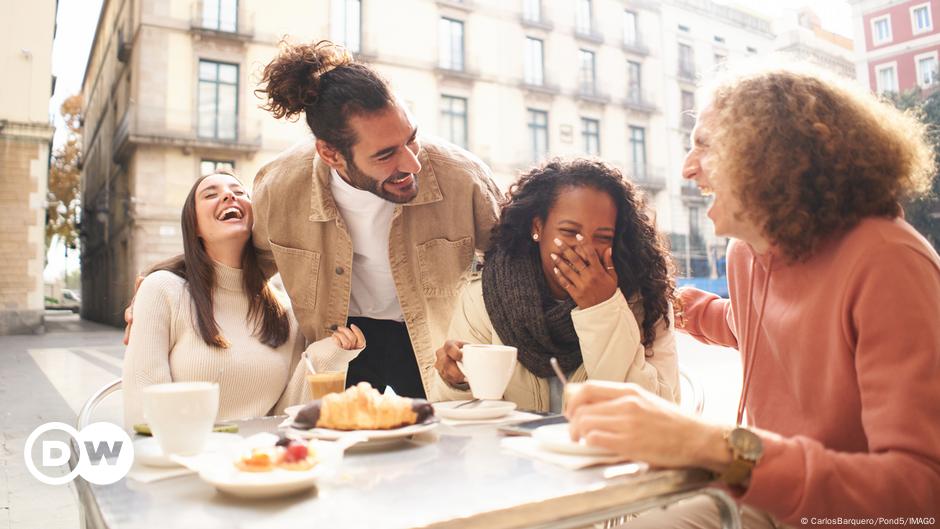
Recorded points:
555,437
485,409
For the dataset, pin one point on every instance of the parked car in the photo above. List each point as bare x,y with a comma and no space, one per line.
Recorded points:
70,300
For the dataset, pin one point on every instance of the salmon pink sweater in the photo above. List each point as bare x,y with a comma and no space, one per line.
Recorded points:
842,362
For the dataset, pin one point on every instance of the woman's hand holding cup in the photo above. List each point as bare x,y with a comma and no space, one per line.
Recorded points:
446,362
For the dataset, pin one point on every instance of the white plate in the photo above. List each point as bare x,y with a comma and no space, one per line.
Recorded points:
218,469
147,451
485,409
555,437
278,482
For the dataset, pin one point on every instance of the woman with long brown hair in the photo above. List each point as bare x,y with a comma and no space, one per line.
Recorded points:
210,315
576,271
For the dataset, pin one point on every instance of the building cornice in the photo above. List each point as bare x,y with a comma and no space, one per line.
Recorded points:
26,131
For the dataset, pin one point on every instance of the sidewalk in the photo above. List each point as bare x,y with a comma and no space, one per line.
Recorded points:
46,378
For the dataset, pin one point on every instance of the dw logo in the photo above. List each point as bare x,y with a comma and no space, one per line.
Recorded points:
105,453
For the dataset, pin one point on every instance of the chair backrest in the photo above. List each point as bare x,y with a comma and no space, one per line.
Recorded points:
88,409
84,415
693,397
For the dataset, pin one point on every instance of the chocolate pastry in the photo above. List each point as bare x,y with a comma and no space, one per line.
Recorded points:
361,407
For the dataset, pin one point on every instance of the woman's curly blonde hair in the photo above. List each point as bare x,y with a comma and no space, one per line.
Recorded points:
810,156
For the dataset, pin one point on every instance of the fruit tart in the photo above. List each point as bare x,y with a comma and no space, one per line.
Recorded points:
287,454
362,407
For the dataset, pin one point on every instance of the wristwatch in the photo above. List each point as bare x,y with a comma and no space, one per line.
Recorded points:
746,450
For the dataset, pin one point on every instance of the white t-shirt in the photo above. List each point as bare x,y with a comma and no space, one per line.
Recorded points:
369,220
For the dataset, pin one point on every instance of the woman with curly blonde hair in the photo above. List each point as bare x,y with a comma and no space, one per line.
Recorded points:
833,306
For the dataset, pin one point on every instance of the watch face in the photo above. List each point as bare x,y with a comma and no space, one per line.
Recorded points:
746,443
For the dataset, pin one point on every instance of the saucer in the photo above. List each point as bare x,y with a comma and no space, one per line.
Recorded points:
485,409
556,438
147,450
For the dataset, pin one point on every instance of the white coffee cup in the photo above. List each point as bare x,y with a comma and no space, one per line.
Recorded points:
488,368
181,414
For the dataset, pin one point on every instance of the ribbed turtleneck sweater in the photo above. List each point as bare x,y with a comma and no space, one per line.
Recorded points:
165,346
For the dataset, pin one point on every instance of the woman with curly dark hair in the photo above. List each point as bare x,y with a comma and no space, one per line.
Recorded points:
833,306
575,271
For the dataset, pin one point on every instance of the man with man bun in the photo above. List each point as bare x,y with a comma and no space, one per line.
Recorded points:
365,224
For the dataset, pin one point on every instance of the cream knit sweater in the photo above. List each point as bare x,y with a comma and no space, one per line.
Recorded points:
165,346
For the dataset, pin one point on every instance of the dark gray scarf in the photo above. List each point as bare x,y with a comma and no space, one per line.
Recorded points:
525,315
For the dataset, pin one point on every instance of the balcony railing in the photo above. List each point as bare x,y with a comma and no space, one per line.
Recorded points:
686,72
636,45
589,92
589,35
648,177
242,29
143,125
462,73
640,102
537,23
543,88
686,120
466,5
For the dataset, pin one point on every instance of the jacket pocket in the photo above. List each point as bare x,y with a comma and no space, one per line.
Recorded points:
299,270
442,264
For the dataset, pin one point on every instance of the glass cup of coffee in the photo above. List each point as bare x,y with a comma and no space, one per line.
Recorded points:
326,382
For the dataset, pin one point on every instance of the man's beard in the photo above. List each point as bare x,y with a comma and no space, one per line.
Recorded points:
362,181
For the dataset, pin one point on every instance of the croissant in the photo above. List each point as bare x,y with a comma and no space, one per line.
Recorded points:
361,407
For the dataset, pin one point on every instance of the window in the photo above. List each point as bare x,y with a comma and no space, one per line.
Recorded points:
538,134
881,30
686,61
688,101
634,81
591,134
687,109
583,17
586,72
534,62
631,34
719,59
926,69
451,44
752,50
719,40
886,78
346,24
683,28
454,120
532,10
214,166
638,151
220,15
218,100
920,18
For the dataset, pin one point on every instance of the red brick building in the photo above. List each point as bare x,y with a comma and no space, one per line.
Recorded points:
897,43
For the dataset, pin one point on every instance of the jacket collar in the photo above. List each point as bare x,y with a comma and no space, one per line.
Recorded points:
323,207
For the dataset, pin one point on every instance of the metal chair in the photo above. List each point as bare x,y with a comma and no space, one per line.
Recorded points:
88,408
689,387
89,517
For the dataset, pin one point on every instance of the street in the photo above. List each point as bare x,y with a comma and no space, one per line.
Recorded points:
48,377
